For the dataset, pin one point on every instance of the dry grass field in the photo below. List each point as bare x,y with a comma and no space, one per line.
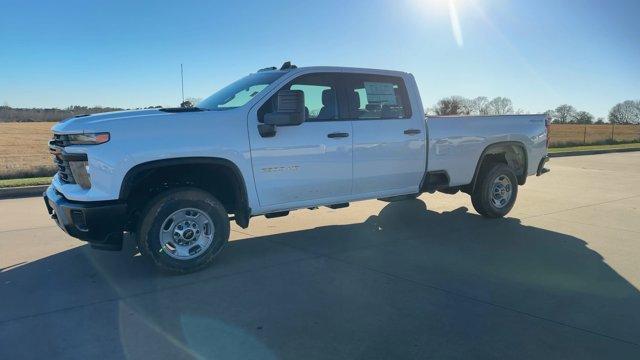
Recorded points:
574,134
23,146
23,150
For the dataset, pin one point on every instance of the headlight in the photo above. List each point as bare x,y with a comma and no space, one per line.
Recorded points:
88,139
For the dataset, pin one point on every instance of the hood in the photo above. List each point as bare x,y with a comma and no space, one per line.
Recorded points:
93,122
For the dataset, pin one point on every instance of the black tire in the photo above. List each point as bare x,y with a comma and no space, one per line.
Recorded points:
165,204
481,198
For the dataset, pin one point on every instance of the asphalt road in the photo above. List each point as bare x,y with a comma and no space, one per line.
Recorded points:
417,279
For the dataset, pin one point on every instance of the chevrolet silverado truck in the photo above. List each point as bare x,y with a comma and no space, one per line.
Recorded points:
275,141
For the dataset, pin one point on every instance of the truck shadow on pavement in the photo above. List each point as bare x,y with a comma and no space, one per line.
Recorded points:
405,283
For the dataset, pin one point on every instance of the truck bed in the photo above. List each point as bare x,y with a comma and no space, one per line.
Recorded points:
457,142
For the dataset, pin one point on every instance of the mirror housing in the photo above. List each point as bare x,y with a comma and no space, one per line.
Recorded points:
289,110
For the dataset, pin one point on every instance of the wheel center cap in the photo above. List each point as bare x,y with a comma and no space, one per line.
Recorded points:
187,234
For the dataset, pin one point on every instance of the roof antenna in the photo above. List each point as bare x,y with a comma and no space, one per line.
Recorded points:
182,81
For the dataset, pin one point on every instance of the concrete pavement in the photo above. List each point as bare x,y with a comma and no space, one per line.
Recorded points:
418,279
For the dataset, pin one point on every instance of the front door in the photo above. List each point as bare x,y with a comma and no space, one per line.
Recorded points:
309,163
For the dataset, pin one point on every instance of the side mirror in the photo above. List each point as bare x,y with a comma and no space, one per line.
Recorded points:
289,112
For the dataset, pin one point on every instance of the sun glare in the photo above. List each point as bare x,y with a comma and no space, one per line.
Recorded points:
441,8
455,23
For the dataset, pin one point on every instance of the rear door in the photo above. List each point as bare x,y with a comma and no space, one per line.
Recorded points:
389,146
306,164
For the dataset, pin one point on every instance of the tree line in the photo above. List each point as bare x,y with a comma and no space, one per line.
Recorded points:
481,105
626,112
10,114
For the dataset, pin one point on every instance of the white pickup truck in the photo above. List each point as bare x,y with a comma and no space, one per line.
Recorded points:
275,141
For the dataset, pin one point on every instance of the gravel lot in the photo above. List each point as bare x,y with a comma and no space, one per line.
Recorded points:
417,279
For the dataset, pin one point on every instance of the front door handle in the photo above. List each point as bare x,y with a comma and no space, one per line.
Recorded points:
412,132
338,135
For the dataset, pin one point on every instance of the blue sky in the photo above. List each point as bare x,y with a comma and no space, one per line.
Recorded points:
128,53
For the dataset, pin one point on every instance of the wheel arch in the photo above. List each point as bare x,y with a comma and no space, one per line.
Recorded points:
137,174
512,151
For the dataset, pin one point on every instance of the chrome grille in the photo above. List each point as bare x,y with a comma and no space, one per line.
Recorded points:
56,148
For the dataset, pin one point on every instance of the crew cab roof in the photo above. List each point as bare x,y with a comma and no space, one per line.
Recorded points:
341,69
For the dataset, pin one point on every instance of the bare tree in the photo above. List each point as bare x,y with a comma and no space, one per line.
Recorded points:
626,112
194,100
498,106
565,114
551,114
454,105
478,105
583,117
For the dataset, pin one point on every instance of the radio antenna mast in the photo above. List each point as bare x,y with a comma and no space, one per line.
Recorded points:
182,81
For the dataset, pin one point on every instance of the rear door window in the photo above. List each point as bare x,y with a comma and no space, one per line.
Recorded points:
377,97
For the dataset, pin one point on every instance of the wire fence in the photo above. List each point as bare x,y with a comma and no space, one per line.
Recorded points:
575,134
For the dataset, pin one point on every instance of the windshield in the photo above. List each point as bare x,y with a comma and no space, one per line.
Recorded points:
239,92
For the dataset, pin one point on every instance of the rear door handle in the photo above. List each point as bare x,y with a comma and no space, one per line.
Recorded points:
412,131
338,135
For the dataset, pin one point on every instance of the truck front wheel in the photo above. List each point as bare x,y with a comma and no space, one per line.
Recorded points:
496,191
183,229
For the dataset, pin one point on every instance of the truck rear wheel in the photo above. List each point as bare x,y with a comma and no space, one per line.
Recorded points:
496,191
183,230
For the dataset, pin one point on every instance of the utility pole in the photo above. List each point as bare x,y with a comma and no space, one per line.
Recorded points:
182,81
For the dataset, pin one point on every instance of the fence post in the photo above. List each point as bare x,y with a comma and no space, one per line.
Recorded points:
613,127
584,136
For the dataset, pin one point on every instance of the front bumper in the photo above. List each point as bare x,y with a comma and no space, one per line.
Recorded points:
100,223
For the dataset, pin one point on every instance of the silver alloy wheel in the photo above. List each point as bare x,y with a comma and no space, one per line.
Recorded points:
501,191
186,233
